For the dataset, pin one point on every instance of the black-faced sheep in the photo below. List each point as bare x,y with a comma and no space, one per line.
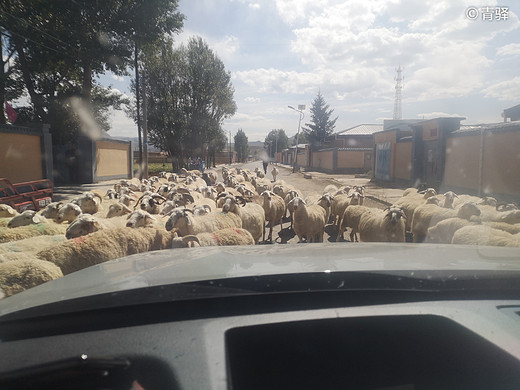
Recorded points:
383,225
223,237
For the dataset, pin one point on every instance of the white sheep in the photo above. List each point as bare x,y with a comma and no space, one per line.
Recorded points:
140,218
118,209
340,204
309,220
88,202
223,237
251,214
51,210
19,233
274,208
186,223
7,211
383,225
428,215
289,206
17,276
28,217
351,218
68,213
411,200
150,203
104,245
485,235
443,231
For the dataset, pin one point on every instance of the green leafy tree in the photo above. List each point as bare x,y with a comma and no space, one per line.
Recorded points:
241,145
189,95
302,139
276,141
321,125
61,46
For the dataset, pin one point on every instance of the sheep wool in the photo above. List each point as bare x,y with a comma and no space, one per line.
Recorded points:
223,237
17,276
105,245
41,229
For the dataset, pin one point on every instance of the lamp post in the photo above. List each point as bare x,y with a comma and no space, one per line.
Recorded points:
300,109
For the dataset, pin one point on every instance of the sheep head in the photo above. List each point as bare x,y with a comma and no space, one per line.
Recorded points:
28,217
68,212
176,217
467,210
7,211
83,225
118,209
394,214
140,218
429,192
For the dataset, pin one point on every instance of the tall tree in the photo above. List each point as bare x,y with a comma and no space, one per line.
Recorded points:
276,141
321,125
61,46
189,96
241,145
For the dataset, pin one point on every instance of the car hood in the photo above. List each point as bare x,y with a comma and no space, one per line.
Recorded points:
213,263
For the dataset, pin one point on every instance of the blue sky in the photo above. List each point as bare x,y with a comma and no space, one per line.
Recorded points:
282,52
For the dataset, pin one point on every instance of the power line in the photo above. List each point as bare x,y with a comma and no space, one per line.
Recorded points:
29,39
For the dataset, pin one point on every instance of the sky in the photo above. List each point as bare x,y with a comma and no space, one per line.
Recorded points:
455,61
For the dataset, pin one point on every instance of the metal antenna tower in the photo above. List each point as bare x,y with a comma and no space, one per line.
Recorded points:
398,87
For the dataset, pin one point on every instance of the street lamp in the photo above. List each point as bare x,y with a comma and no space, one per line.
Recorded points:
300,109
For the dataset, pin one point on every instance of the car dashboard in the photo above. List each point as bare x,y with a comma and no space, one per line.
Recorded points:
366,330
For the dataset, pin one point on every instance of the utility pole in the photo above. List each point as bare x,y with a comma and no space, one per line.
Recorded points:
136,64
300,109
230,152
145,128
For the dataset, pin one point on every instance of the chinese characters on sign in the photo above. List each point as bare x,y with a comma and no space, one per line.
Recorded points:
488,13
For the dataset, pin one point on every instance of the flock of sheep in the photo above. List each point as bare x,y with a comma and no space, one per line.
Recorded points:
194,209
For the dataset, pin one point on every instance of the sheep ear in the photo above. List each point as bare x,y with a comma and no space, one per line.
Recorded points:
36,219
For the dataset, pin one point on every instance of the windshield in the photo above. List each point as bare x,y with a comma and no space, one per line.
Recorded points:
130,127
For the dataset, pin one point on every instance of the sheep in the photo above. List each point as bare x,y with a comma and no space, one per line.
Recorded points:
105,245
383,225
309,220
17,276
88,202
341,202
150,203
30,245
68,212
251,214
187,224
430,214
19,233
443,231
324,201
223,237
28,217
351,218
87,223
201,210
411,201
51,210
7,211
289,207
274,172
274,208
449,198
118,209
140,218
485,235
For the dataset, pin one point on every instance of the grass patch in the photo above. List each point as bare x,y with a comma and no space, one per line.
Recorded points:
155,168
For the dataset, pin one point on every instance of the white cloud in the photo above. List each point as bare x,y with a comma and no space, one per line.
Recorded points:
118,78
505,90
436,114
250,99
254,5
513,49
